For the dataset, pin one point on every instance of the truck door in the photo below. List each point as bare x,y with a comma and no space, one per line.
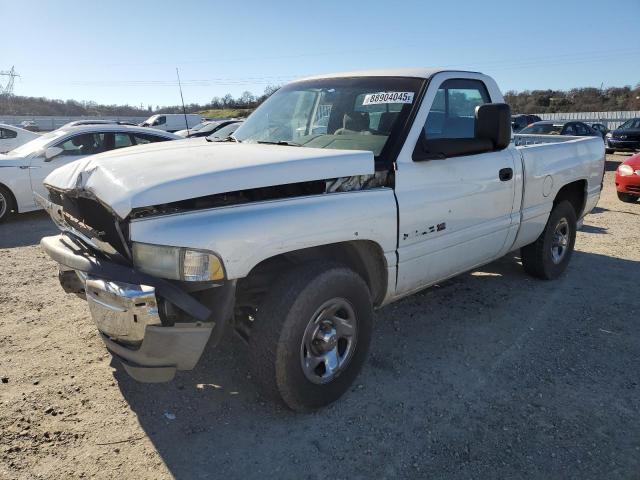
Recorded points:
454,213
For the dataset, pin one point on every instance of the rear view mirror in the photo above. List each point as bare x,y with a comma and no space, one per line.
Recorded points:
492,132
52,152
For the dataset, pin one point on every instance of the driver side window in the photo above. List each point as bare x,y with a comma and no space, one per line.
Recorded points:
84,144
452,113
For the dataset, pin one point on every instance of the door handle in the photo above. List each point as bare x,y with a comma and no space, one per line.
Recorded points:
505,174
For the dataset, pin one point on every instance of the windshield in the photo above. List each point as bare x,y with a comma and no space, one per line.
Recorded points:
36,144
633,123
543,129
360,113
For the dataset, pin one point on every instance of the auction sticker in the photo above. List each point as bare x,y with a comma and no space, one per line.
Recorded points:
388,97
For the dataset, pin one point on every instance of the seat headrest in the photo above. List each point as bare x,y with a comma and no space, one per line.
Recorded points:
356,121
386,122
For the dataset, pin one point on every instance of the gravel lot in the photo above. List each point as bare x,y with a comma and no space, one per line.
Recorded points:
490,375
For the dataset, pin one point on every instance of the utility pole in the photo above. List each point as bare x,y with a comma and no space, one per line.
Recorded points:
8,89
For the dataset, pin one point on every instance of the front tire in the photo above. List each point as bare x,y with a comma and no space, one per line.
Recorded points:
7,205
311,335
547,258
609,151
627,197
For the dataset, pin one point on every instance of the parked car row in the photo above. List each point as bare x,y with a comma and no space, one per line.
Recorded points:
31,157
625,138
563,127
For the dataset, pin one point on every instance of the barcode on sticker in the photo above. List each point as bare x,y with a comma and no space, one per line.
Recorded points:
388,97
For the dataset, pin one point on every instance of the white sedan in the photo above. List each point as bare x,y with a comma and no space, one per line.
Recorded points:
12,137
23,169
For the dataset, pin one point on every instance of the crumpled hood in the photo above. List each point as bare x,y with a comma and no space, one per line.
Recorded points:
166,172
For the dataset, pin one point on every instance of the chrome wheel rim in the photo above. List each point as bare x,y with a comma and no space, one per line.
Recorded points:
3,205
560,241
328,341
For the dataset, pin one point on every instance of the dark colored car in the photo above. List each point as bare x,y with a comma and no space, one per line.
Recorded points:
601,128
625,138
30,125
518,122
562,127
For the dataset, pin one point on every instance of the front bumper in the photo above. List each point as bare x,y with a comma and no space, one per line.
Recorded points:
628,184
126,314
630,145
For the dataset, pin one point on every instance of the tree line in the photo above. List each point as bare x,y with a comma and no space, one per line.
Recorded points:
575,100
534,101
20,105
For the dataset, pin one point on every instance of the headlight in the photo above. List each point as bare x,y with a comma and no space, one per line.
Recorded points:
608,135
177,263
625,170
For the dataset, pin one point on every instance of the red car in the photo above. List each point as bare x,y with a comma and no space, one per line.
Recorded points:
628,180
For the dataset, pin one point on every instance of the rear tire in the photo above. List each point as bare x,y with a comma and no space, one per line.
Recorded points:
627,197
7,204
297,354
547,258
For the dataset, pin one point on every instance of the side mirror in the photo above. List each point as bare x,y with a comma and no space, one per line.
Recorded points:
51,153
492,132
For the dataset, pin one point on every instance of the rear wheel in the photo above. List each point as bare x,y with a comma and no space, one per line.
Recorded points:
7,205
547,258
311,335
627,197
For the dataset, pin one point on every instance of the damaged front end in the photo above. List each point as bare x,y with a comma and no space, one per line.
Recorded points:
153,325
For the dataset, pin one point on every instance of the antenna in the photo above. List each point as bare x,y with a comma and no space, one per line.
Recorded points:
8,89
184,110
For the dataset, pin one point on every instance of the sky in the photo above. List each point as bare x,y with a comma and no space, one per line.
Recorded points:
127,52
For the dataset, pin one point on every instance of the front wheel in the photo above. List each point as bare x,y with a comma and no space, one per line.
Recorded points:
547,258
626,197
7,206
609,151
311,335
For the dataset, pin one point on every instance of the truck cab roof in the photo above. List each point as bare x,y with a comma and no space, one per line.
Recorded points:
416,72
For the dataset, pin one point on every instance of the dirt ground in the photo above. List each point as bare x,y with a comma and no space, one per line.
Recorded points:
490,375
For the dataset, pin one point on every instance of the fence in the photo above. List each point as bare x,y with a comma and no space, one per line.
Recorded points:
46,123
610,119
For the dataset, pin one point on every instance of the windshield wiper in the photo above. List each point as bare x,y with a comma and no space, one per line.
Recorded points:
280,142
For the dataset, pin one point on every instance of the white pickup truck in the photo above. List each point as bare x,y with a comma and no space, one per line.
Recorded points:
340,194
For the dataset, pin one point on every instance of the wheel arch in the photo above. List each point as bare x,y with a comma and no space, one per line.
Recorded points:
13,197
575,193
365,257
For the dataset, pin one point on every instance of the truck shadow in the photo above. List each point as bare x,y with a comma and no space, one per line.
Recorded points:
26,229
455,372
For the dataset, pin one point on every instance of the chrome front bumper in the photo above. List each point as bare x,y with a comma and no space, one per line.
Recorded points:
122,311
128,321
126,313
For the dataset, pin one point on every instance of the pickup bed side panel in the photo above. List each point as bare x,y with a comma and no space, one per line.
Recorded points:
549,167
244,235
